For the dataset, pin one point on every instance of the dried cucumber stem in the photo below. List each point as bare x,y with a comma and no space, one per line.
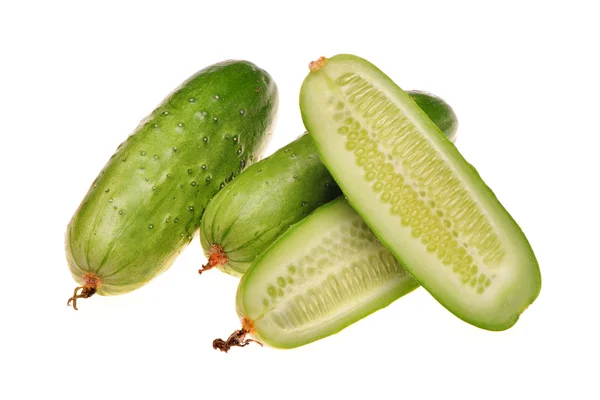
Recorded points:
237,338
91,283
217,257
317,65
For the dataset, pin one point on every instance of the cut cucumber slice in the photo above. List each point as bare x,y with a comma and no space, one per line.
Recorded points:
323,274
418,194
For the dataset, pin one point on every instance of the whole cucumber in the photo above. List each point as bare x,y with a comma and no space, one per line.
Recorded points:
147,202
243,219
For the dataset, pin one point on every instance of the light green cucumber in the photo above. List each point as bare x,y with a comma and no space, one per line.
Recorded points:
323,274
147,202
244,218
418,194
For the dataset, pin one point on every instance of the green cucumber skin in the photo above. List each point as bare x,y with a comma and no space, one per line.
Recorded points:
524,293
147,202
438,111
259,205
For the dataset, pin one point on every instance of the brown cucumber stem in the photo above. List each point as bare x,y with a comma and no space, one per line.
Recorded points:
314,66
237,338
91,284
216,257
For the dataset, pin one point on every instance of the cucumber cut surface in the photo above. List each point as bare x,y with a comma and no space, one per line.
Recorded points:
418,194
323,274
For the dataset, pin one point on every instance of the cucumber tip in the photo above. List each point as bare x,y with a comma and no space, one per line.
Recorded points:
216,257
91,284
314,66
237,338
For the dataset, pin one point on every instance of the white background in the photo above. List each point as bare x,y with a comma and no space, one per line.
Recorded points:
76,78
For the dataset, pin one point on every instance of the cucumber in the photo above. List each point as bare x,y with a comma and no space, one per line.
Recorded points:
323,274
147,202
244,218
445,225
438,111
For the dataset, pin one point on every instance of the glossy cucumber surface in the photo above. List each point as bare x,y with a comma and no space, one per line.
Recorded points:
438,111
325,273
147,202
244,218
260,204
418,194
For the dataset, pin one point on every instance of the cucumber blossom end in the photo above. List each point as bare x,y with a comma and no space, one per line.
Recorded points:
91,284
217,257
237,338
314,66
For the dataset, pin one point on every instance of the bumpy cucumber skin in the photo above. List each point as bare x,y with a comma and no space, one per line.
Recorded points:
514,301
323,220
147,202
258,206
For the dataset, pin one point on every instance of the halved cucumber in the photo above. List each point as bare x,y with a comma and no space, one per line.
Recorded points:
323,274
417,193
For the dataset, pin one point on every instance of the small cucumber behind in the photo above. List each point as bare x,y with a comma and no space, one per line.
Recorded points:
323,274
438,111
244,218
147,202
418,194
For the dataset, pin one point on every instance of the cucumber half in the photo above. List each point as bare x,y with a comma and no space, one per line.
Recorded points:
418,194
323,274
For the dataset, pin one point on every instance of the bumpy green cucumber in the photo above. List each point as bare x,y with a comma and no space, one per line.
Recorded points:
418,194
244,218
323,274
147,202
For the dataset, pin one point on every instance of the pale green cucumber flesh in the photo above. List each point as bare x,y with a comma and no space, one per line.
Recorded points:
244,218
418,194
326,272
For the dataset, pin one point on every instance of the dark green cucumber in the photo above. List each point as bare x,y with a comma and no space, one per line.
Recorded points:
243,219
418,194
147,202
323,274
438,111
